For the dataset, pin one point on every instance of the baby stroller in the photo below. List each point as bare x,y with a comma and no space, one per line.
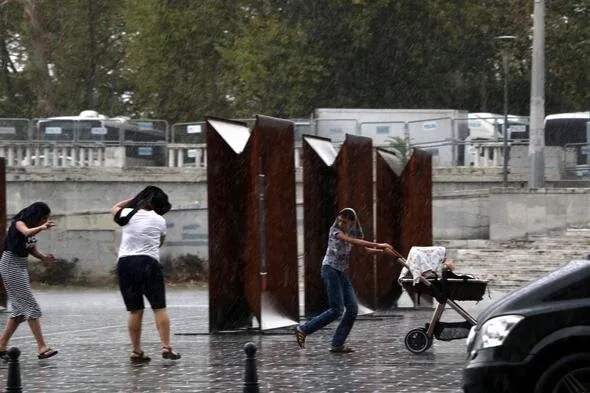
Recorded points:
424,274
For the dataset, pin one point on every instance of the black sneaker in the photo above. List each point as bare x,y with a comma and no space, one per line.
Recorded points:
341,349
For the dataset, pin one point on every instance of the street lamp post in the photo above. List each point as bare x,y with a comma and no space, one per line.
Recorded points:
505,55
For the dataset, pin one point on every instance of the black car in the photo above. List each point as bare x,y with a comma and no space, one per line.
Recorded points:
536,339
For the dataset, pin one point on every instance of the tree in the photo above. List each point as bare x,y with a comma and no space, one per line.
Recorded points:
68,54
269,69
181,60
567,56
17,98
173,59
38,53
88,46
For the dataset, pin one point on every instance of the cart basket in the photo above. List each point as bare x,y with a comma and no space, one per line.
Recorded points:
452,288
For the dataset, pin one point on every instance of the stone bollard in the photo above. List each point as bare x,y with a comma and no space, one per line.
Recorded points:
13,380
251,379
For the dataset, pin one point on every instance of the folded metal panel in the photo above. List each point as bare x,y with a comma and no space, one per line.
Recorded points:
226,183
389,207
354,168
271,246
319,206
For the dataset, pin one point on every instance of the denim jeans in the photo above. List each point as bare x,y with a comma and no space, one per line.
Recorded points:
340,297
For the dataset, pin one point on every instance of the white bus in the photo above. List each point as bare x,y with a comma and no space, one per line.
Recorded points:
571,131
143,142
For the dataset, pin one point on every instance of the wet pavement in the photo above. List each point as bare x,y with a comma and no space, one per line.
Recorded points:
88,327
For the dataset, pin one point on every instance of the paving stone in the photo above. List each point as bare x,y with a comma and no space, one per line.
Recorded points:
88,327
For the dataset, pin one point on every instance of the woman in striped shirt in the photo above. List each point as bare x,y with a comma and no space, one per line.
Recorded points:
19,243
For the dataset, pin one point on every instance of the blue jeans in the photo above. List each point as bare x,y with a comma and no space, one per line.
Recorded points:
340,296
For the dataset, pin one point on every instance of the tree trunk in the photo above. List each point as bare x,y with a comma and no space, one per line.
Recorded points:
39,54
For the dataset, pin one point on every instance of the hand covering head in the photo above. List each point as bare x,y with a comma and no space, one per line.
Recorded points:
151,198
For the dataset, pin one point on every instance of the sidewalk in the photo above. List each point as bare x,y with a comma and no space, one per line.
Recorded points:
88,327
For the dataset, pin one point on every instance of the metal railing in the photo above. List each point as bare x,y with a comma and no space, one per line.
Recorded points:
576,160
176,155
185,145
25,154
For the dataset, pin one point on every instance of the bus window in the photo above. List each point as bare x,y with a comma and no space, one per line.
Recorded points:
61,130
565,128
97,131
569,129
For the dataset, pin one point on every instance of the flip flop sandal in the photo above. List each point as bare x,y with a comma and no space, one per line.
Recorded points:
49,352
138,357
168,353
300,337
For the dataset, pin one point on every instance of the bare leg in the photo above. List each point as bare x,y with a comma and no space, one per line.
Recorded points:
134,327
9,329
35,326
163,325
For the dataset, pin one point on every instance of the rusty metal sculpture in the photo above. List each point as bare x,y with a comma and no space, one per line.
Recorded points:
252,224
319,207
404,213
331,182
417,201
389,208
226,184
271,251
355,189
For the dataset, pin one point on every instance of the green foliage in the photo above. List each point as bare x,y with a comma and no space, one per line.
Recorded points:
402,145
183,269
184,60
187,268
272,70
62,273
87,48
172,57
567,53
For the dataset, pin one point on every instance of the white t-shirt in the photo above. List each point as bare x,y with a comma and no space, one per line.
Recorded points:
141,235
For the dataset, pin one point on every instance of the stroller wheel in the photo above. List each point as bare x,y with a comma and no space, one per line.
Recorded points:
417,341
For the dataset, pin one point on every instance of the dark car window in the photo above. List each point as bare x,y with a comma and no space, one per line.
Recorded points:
577,290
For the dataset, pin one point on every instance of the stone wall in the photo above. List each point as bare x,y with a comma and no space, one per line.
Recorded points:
515,213
463,208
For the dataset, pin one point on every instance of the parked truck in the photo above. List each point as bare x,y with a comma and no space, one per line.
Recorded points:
441,132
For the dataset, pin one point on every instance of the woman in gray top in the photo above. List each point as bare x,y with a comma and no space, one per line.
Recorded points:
345,233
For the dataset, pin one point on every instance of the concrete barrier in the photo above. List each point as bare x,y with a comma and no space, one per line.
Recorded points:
514,213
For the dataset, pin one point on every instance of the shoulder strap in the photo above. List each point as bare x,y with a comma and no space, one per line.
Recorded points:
122,221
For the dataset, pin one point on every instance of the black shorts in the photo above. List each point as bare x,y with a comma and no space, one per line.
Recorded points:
139,276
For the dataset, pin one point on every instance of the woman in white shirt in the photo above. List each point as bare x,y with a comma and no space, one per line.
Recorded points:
138,267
